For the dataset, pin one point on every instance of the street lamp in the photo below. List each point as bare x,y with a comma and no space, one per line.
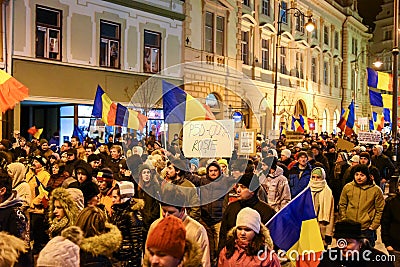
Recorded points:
309,26
395,73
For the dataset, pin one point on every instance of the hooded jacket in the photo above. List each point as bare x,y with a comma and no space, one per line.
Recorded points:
70,208
211,212
97,250
191,257
127,218
278,190
12,219
18,171
240,258
362,204
299,179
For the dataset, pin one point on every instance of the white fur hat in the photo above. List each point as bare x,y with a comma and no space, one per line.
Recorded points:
249,218
286,153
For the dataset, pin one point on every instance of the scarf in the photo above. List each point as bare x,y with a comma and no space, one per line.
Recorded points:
57,226
317,186
322,198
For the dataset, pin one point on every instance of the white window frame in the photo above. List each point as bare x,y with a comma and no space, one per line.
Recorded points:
326,72
265,8
215,45
265,56
314,69
51,44
155,53
245,46
112,51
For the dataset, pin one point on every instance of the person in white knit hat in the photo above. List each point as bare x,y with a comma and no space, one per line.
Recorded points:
248,243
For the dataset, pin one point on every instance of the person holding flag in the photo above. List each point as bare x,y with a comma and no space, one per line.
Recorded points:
248,243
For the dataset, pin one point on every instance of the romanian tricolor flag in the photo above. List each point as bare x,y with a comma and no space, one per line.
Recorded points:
380,80
381,100
11,91
179,106
35,132
295,230
346,122
298,124
116,114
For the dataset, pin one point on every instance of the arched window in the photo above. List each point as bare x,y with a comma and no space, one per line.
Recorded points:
325,121
300,108
335,121
212,101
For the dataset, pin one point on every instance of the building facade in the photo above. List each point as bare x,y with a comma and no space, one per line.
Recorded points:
316,72
61,50
227,52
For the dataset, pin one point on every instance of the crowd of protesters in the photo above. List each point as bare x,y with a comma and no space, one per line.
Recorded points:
137,203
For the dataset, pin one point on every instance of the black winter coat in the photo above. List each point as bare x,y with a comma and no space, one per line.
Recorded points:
390,223
384,165
126,216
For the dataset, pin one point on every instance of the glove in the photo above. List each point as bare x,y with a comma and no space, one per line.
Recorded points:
328,239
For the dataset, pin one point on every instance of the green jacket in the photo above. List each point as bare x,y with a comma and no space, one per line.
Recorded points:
363,204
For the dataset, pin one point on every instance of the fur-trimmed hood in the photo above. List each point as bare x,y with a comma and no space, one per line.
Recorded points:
104,244
191,257
264,230
67,203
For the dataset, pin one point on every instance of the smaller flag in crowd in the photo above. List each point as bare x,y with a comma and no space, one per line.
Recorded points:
78,133
179,106
35,132
116,114
302,124
347,120
295,228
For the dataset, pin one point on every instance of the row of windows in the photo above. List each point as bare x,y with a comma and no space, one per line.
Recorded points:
48,45
265,61
265,9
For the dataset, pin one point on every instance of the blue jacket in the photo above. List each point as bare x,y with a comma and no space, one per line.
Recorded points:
296,182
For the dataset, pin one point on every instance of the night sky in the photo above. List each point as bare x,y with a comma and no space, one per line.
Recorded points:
368,9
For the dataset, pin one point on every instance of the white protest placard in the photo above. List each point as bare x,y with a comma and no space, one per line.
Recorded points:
273,134
208,139
369,138
247,142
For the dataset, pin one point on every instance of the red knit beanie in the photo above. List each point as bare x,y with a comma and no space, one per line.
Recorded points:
169,236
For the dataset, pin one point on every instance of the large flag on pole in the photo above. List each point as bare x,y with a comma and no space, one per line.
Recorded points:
116,114
346,122
179,106
11,91
295,230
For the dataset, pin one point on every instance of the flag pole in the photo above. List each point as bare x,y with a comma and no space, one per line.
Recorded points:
165,137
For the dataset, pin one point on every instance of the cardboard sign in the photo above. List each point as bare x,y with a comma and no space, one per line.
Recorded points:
369,138
208,139
344,145
247,142
294,137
